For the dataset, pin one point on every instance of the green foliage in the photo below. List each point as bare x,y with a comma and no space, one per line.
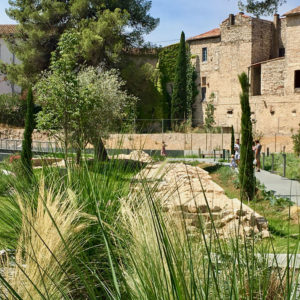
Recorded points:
41,24
274,200
232,140
167,62
12,110
209,113
85,103
141,81
296,141
168,59
192,90
26,153
179,96
292,165
246,171
261,7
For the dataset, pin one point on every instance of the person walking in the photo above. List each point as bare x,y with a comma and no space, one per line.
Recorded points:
237,149
257,154
163,151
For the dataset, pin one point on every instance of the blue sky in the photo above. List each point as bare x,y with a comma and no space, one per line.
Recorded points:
191,16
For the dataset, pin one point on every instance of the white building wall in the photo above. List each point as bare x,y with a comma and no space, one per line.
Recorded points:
6,87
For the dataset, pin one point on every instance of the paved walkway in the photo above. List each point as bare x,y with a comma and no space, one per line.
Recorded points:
281,186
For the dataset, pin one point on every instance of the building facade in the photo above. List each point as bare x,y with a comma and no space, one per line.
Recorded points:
7,87
269,52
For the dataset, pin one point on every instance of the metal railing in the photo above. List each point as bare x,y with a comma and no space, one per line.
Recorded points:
37,146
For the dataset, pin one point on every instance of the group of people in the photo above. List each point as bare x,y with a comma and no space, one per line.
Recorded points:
256,148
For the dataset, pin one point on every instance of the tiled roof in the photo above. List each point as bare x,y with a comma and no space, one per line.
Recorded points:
295,11
210,34
8,29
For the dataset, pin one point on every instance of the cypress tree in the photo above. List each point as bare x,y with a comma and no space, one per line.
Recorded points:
246,170
26,154
232,140
179,97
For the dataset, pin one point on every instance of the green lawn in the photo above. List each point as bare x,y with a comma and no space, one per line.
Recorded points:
285,231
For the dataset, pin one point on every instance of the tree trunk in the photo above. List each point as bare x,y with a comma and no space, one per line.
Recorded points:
100,151
66,146
78,155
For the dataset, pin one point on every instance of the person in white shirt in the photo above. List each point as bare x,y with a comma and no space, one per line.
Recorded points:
237,149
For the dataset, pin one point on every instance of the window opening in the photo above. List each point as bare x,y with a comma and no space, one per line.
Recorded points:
297,79
204,54
229,113
256,80
203,93
281,52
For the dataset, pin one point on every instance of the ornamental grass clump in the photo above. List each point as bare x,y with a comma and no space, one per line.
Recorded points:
51,238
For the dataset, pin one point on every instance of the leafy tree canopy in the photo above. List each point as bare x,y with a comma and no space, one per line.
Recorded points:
261,7
80,104
43,22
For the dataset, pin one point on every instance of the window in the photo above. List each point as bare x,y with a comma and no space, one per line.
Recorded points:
281,52
203,93
203,81
229,113
204,54
297,79
256,80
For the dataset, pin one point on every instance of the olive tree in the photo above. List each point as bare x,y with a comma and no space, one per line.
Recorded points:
106,105
80,104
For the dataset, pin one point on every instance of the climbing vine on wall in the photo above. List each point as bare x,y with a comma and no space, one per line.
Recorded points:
167,70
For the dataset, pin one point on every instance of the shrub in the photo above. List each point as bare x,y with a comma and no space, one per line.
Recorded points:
296,141
12,110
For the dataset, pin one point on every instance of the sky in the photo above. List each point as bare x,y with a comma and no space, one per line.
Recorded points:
192,16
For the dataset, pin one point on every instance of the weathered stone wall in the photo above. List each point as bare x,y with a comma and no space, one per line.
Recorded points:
174,141
243,44
273,75
208,69
194,141
292,53
262,33
282,33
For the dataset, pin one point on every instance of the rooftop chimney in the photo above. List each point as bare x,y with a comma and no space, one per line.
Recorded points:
276,20
231,19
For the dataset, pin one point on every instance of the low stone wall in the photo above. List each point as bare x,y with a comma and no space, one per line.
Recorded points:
174,141
194,141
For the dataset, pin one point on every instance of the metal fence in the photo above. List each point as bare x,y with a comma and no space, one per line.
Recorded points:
37,146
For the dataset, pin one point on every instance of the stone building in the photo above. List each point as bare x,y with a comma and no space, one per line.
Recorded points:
7,57
269,52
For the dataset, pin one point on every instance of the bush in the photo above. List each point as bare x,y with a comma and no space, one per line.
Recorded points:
296,141
12,110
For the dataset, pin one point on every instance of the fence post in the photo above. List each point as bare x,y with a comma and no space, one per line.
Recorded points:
222,139
224,155
199,152
228,155
272,168
284,164
268,152
263,160
214,155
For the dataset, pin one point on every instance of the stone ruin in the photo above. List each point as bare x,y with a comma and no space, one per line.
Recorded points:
188,193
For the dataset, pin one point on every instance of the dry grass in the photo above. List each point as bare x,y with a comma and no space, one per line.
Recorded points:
46,244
